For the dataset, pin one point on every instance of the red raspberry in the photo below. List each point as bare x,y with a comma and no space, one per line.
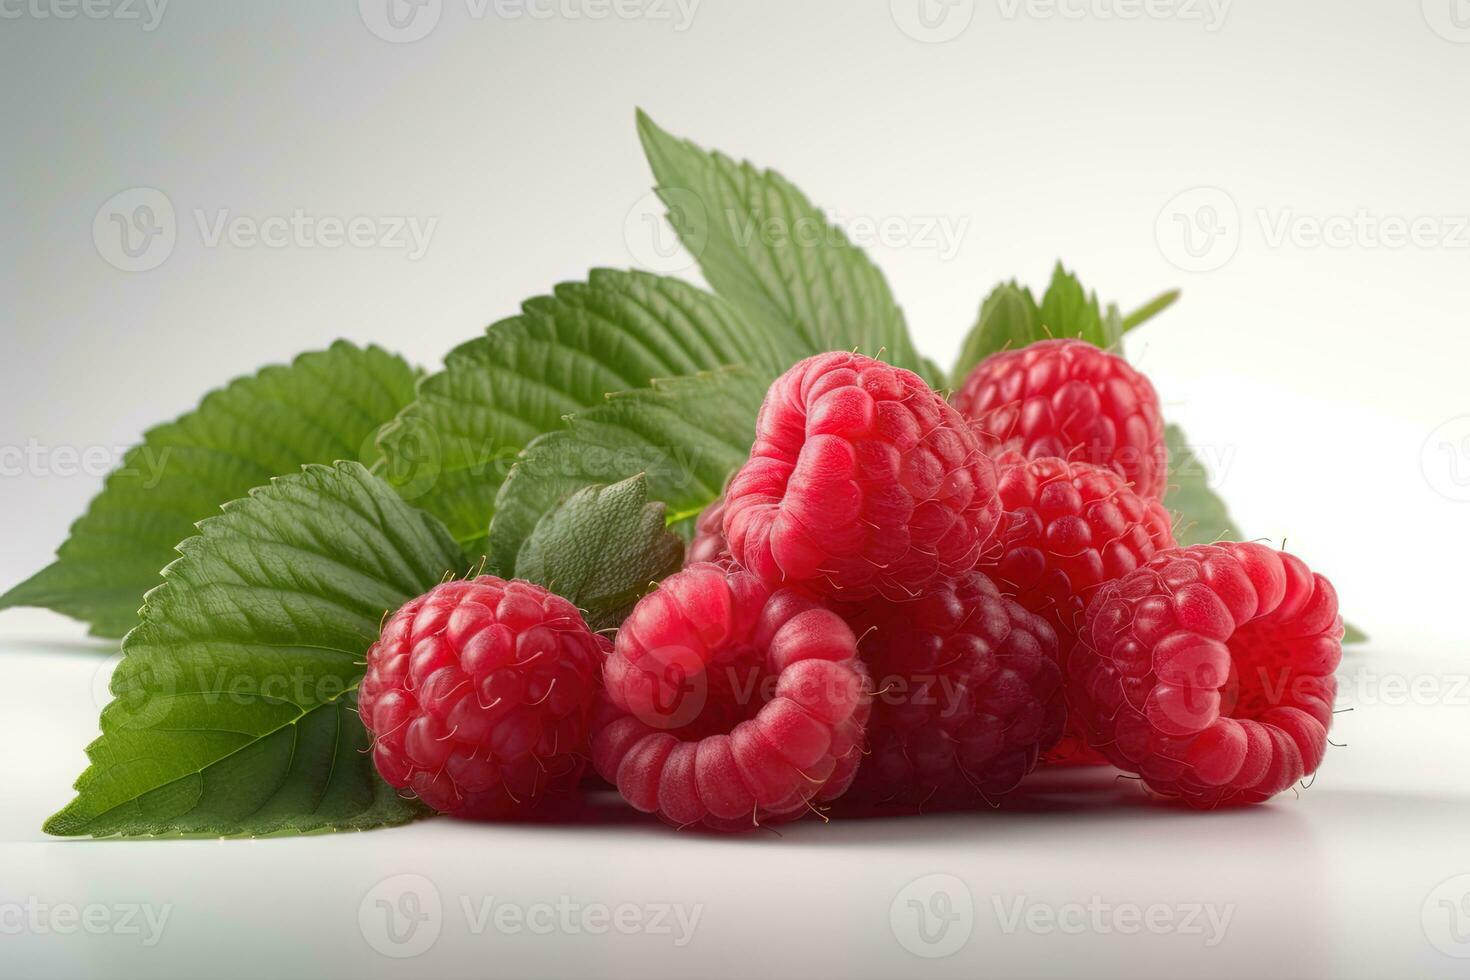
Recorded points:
862,482
1070,399
1209,672
1068,528
478,695
968,692
709,542
738,706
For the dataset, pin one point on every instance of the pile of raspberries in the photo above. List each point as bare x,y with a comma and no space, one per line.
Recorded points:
901,603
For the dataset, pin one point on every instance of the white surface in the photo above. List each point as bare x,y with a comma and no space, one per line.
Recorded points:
1345,880
1325,383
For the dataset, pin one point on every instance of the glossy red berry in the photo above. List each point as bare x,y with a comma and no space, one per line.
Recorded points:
967,693
478,696
734,706
862,482
1209,672
1070,399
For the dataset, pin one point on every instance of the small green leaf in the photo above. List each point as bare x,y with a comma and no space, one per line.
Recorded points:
1009,319
1149,310
234,701
326,405
452,448
603,548
1351,634
686,435
762,245
1068,310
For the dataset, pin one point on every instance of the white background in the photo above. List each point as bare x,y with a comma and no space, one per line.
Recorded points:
1325,383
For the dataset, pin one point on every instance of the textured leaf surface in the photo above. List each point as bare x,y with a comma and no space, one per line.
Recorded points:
233,708
686,435
602,548
762,245
450,451
325,406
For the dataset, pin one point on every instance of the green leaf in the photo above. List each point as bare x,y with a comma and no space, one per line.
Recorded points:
233,710
325,406
603,548
762,245
1068,310
1351,634
1009,319
1149,310
452,448
1200,515
686,435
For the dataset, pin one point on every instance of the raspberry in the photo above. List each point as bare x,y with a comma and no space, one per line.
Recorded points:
1068,528
478,696
709,536
736,706
1209,672
1070,399
967,694
862,481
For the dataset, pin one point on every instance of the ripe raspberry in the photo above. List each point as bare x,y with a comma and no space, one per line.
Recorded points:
709,542
737,706
1068,528
968,692
862,482
1067,398
1209,672
478,695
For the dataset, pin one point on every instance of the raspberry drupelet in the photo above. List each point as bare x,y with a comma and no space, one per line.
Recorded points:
1070,399
732,706
862,481
478,697
1209,672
